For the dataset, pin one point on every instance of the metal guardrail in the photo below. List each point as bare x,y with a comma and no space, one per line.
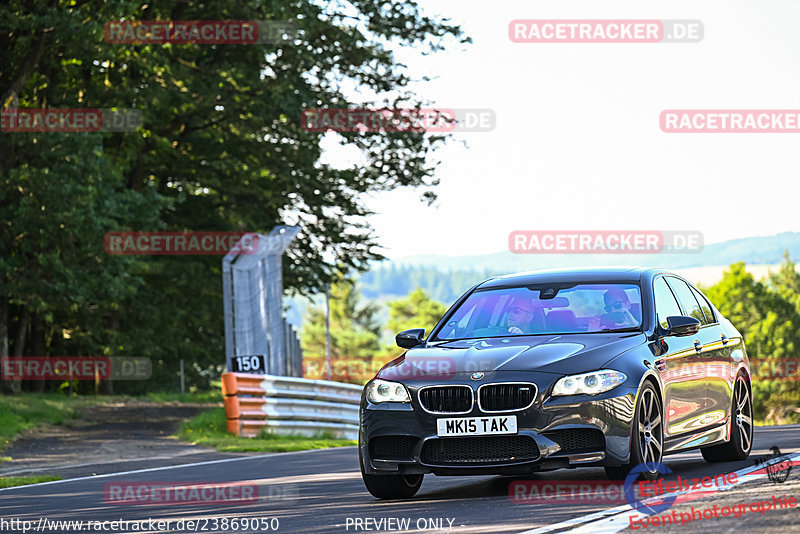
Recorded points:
288,405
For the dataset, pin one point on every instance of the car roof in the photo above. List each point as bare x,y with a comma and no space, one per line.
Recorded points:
567,275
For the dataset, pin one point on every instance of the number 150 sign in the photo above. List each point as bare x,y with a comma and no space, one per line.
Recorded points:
249,364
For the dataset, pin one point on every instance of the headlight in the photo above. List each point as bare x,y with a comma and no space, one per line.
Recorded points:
384,391
589,383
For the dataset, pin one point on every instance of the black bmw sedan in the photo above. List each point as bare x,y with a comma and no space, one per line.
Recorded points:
558,369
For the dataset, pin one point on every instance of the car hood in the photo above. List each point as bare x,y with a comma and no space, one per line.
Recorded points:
557,354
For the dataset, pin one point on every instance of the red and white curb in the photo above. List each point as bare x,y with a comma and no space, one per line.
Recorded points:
619,518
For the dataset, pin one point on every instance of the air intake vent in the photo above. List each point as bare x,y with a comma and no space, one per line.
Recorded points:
578,439
446,399
479,450
392,447
506,397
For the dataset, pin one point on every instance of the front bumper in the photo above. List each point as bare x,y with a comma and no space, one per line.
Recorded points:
553,433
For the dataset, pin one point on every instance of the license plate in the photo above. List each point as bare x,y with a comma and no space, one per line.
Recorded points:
476,426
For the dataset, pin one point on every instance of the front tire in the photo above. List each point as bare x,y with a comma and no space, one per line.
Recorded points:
647,437
390,486
741,443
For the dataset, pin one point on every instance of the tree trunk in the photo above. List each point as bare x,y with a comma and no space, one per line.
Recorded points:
107,387
19,342
3,326
38,346
5,385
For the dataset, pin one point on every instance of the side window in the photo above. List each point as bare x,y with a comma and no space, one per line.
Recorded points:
464,321
666,304
686,299
704,305
500,310
458,322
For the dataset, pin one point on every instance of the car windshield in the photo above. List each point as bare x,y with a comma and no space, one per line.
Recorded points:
559,309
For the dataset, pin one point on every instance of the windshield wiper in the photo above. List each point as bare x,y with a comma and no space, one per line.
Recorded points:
614,330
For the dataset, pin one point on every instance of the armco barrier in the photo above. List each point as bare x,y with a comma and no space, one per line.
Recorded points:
287,405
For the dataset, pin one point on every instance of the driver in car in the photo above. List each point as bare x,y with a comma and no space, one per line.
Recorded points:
520,316
618,306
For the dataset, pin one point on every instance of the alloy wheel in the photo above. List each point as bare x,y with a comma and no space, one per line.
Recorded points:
743,415
650,430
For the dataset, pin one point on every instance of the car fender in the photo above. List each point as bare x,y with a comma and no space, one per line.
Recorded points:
637,364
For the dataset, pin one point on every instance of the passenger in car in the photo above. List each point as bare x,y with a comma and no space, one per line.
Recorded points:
618,306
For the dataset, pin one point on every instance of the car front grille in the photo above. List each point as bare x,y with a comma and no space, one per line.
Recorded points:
392,447
506,397
446,399
578,439
479,450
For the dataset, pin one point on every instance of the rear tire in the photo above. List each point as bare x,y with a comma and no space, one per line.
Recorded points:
647,437
390,486
741,443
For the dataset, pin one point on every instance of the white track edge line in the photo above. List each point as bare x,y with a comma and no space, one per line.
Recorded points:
121,461
166,467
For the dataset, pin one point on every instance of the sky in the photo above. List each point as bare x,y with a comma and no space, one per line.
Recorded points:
577,145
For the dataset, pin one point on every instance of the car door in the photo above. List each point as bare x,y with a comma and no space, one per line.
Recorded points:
680,368
717,351
708,345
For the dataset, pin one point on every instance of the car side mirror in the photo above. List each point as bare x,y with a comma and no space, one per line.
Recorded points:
682,325
408,339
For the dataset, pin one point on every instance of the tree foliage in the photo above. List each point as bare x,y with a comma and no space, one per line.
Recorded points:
768,316
221,148
354,330
418,310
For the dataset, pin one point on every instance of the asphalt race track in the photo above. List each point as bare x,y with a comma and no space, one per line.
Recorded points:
321,491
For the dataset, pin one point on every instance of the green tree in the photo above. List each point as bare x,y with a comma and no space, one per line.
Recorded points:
417,310
787,281
221,148
738,296
354,331
769,323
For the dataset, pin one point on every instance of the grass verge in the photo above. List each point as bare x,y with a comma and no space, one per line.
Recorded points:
10,482
20,412
214,395
209,428
27,410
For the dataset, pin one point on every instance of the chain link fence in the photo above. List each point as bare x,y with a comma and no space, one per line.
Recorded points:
257,337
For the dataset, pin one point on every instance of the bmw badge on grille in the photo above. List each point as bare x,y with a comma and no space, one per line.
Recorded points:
477,376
